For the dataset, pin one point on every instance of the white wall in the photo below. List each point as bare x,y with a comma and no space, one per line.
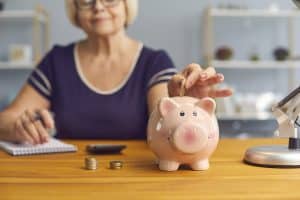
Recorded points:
175,25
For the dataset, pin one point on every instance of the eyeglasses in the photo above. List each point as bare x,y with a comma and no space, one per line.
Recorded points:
90,4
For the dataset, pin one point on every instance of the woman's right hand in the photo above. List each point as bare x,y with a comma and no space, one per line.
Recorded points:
198,83
32,127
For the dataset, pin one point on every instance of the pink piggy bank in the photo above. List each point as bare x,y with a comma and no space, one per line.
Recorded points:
183,130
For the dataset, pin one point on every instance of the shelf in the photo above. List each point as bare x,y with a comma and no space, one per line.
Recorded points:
246,116
38,18
218,12
255,64
12,66
23,14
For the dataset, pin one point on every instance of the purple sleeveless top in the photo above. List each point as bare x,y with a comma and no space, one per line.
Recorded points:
84,112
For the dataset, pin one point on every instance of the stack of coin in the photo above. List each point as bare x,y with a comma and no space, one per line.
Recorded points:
91,163
116,164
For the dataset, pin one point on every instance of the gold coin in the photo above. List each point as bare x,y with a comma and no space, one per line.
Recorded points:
116,164
91,163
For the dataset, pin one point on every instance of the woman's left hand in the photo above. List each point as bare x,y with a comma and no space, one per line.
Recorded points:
195,82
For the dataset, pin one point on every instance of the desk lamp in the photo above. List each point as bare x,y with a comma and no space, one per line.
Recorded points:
287,113
297,2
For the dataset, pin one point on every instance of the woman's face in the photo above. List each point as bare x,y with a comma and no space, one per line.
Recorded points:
102,20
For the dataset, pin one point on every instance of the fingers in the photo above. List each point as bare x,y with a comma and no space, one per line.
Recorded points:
197,75
175,85
220,93
210,72
28,120
47,119
29,128
192,73
21,134
191,68
216,79
43,133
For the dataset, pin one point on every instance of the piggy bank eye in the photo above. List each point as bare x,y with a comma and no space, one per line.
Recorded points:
195,114
182,114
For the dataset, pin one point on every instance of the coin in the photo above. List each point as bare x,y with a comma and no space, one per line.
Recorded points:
116,164
182,88
91,163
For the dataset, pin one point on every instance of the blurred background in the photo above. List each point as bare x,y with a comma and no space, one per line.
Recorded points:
253,43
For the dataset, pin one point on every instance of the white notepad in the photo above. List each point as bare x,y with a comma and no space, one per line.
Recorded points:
53,146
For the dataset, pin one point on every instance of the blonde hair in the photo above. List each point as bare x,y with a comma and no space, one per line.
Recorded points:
131,7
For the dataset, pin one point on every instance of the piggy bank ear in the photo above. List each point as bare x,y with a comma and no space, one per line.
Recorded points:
166,105
207,104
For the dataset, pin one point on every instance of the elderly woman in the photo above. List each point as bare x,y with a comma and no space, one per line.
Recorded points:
103,86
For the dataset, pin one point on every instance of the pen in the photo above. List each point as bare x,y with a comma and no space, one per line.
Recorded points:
38,117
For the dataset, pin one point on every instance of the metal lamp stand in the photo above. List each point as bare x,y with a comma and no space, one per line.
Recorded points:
280,156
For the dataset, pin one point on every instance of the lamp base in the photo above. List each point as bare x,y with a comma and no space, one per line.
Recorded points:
279,156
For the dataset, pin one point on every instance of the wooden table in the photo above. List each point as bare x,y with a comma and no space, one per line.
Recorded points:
62,176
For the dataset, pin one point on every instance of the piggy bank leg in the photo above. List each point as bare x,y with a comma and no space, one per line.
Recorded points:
167,165
200,165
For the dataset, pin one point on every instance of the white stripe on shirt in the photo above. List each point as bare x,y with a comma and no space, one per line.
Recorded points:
157,75
161,78
44,78
40,86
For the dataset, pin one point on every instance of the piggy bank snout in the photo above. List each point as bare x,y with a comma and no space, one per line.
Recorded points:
189,138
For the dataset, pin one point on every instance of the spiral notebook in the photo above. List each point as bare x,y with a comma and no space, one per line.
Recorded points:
53,146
